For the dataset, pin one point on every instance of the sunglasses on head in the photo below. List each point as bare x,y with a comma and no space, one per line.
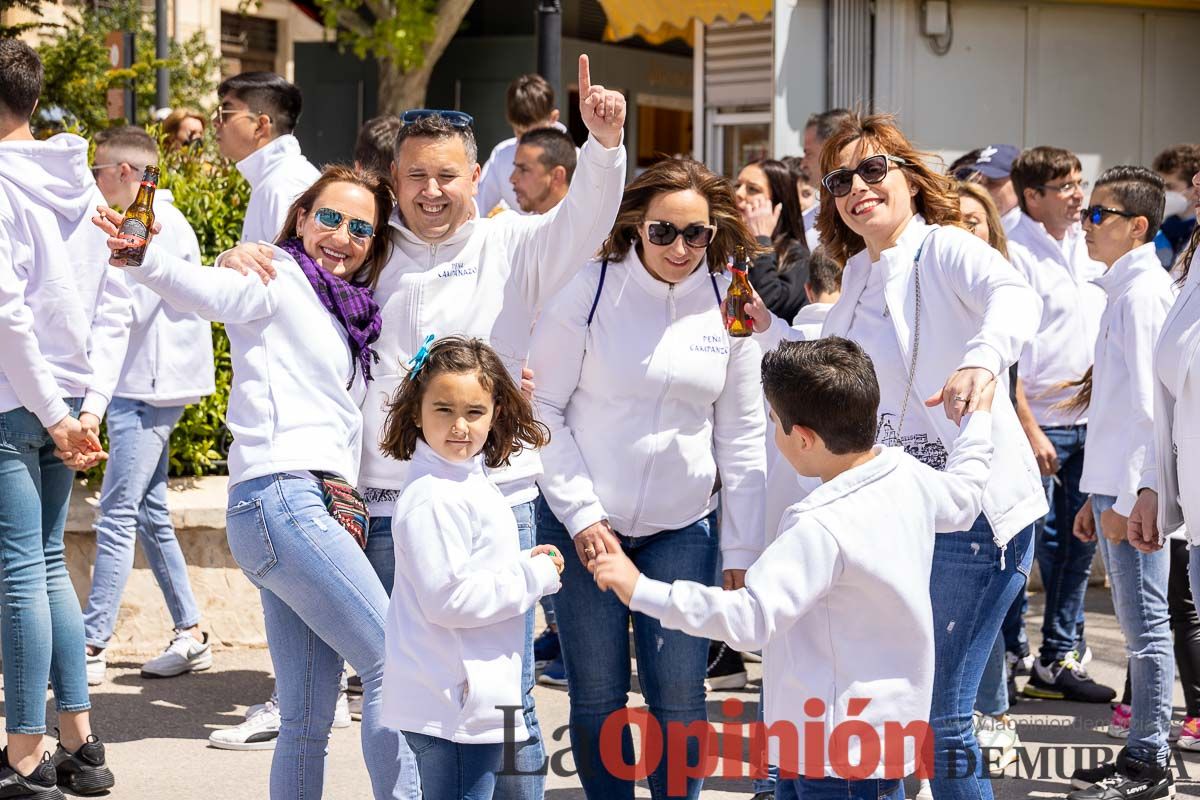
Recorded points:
1096,214
694,235
456,119
331,220
872,170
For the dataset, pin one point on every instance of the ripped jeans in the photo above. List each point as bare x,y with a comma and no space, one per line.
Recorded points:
971,587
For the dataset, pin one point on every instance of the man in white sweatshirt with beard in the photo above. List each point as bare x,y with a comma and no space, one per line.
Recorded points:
254,125
64,325
452,272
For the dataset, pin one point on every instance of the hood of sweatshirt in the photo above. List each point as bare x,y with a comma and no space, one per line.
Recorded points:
256,166
52,174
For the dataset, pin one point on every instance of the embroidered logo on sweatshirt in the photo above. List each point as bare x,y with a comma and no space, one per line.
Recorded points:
457,269
931,453
711,344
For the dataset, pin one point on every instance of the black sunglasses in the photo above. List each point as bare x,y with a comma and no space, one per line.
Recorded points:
456,119
332,220
872,170
695,235
1096,214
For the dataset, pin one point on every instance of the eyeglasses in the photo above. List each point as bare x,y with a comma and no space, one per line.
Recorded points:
97,167
1064,188
220,117
1096,214
331,220
695,235
872,170
456,119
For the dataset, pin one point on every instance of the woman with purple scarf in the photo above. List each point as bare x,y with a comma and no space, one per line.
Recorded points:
301,350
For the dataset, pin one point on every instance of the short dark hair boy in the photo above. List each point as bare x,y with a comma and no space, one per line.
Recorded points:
20,79
377,143
266,93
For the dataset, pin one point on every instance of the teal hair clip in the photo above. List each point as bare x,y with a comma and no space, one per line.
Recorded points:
417,361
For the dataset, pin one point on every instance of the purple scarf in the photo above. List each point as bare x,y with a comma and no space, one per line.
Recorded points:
351,305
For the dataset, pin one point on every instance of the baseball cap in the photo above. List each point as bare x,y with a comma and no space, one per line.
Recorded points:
995,161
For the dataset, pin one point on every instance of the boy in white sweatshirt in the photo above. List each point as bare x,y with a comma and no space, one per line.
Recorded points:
1126,211
862,540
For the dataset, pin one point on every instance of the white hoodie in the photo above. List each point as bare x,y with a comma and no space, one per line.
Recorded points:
647,404
456,624
495,184
277,173
1061,272
170,358
839,602
64,315
1121,427
289,408
487,280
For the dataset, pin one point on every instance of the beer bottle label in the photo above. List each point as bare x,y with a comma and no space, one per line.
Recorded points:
134,231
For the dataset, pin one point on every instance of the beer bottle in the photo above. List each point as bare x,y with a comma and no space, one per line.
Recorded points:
139,219
737,320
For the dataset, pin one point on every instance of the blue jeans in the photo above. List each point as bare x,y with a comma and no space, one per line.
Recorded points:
321,597
1139,590
453,771
839,789
523,776
133,506
42,630
970,592
992,697
593,627
1064,561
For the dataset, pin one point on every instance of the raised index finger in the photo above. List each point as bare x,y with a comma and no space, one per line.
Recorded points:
585,76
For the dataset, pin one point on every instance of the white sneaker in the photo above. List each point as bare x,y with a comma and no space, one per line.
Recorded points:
341,713
997,737
355,706
97,666
185,653
258,732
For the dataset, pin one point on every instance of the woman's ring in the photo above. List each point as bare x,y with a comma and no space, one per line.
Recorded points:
958,398
590,552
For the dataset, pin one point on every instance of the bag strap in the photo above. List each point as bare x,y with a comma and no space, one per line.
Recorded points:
912,369
599,288
713,277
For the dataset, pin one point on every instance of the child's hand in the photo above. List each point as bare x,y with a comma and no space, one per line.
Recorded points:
555,556
616,572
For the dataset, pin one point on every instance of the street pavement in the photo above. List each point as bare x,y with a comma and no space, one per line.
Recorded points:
156,730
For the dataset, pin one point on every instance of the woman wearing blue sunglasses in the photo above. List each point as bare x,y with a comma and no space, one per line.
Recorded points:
302,355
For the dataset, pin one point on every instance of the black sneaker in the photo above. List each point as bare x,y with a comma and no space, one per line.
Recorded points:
726,670
84,771
1131,780
1066,680
1087,778
41,784
546,648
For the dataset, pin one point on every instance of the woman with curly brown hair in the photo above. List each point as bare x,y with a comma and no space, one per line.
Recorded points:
941,314
646,397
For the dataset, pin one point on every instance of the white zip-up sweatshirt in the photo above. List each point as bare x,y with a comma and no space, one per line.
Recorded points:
289,408
976,311
170,357
488,280
1062,273
647,404
456,625
839,602
1121,426
277,173
495,184
64,315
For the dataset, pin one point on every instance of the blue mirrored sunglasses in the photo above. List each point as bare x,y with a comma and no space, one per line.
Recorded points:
456,119
332,220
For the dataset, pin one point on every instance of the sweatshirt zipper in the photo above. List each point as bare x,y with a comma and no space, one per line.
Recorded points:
662,396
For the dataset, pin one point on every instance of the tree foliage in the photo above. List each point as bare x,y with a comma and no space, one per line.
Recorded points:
13,31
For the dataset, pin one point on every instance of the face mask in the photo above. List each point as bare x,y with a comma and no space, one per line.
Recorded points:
1176,205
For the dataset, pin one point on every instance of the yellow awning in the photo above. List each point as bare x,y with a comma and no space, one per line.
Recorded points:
657,21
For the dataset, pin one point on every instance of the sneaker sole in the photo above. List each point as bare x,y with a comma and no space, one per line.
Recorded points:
93,781
1003,760
754,657
192,666
737,680
546,680
268,744
53,793
1117,733
1043,694
1191,745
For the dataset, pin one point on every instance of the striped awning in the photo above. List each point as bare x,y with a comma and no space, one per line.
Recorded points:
657,21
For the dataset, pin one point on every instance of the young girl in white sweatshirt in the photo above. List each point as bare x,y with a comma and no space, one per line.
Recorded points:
455,628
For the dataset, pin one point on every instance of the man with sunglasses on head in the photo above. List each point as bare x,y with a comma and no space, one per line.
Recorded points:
1050,190
254,122
454,272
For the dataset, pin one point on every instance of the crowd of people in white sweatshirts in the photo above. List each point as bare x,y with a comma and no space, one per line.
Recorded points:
459,391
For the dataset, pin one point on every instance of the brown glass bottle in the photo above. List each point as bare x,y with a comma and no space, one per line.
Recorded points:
139,220
737,321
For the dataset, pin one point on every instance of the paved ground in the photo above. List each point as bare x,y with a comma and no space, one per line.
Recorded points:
157,731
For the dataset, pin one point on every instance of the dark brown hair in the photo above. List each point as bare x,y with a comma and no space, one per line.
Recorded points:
935,200
788,237
1185,261
377,185
528,101
678,175
824,274
514,426
376,143
1181,161
1037,166
827,385
20,78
